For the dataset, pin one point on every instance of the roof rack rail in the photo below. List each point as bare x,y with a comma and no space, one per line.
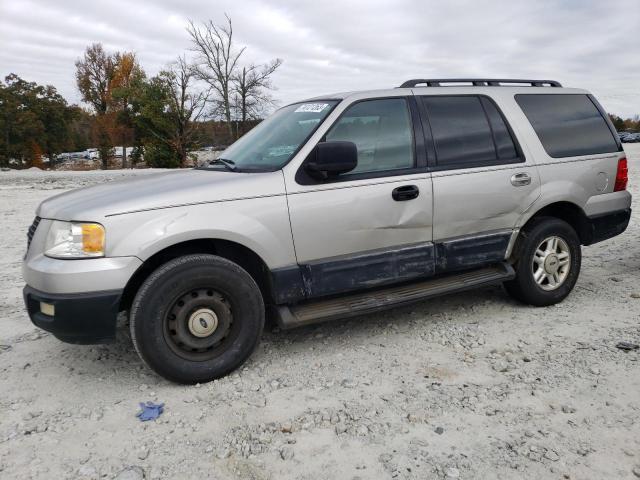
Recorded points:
478,82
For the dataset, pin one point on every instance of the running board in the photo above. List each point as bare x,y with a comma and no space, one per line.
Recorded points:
372,301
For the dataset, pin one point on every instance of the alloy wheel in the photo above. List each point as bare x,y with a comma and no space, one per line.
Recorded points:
551,263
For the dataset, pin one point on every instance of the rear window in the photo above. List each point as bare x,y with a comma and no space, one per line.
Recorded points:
468,131
568,125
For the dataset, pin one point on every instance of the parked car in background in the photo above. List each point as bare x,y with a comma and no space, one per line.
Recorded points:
340,205
118,151
92,154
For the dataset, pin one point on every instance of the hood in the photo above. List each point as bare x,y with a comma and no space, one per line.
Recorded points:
159,190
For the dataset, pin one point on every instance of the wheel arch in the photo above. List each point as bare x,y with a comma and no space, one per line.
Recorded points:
240,254
571,213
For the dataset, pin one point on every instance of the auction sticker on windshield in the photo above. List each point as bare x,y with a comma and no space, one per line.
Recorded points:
311,107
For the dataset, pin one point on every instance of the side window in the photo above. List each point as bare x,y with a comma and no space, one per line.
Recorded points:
468,131
505,148
567,125
381,129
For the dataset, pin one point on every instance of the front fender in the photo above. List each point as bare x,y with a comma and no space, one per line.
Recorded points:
260,224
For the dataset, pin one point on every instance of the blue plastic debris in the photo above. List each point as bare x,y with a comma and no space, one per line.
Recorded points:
150,411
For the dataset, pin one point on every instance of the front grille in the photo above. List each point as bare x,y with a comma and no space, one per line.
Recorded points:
32,230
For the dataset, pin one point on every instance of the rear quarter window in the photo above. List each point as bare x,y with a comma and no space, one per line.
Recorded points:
568,125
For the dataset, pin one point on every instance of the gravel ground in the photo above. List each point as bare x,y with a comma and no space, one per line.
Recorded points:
466,386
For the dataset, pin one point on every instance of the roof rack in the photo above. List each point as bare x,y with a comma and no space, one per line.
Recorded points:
478,82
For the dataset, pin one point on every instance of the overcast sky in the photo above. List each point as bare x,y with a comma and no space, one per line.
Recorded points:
337,45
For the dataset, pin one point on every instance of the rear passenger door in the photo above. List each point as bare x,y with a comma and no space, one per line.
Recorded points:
482,181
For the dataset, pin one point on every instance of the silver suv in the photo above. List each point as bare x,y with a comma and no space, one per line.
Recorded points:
335,206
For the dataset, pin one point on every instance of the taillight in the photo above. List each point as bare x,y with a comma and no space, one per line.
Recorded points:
622,176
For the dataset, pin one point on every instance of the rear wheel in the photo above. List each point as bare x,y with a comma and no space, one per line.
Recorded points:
548,263
197,318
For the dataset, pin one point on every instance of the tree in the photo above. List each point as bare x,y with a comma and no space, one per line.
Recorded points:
56,118
186,105
34,120
8,113
20,119
167,112
618,122
251,84
80,128
94,76
633,123
127,75
217,61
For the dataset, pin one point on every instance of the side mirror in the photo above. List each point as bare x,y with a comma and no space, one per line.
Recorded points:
329,159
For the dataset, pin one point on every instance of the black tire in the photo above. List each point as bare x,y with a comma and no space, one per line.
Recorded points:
524,287
189,297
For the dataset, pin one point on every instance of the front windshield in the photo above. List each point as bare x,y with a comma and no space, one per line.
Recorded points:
272,143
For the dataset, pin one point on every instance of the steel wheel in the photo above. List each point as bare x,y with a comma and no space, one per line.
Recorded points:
196,318
551,263
198,324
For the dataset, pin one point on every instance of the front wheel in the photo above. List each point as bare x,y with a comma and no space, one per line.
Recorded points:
548,262
197,318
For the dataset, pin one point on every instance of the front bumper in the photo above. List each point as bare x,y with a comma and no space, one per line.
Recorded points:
58,276
83,318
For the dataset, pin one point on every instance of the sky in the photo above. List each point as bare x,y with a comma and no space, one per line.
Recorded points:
339,45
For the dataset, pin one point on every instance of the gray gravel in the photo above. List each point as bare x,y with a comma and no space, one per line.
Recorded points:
466,386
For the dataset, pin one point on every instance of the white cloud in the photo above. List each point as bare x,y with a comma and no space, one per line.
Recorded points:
335,45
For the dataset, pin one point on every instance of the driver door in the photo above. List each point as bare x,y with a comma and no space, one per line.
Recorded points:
373,225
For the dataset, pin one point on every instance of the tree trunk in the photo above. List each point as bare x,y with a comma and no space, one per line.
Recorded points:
227,114
229,124
104,156
124,149
244,113
7,129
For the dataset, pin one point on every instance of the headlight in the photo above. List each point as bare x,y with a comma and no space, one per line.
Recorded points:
75,240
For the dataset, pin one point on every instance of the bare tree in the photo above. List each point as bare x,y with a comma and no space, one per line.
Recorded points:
217,61
186,103
251,85
170,108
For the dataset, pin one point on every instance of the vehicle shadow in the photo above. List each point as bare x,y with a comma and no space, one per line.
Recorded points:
118,362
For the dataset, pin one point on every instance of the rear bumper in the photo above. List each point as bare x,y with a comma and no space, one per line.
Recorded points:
83,318
607,225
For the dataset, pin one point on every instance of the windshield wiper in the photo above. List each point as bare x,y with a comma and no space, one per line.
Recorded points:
228,164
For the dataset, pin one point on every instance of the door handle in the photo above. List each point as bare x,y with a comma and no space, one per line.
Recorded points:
520,179
404,193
